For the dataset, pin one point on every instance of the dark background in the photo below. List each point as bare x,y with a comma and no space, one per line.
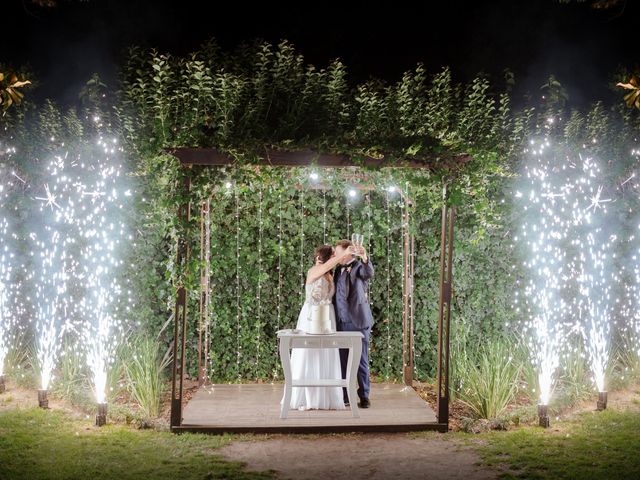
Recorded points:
583,47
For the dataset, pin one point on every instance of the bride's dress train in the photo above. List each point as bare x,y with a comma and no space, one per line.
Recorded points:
316,363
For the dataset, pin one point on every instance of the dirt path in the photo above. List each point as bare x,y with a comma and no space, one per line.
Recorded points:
354,457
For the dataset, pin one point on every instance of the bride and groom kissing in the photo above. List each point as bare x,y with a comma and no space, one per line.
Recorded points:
338,280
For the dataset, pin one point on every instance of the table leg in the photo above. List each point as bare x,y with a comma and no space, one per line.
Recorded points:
353,362
286,368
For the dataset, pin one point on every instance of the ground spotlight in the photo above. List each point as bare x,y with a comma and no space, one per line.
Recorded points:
543,416
101,416
602,401
43,399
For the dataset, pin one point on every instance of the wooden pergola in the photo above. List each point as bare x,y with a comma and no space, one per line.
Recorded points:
211,157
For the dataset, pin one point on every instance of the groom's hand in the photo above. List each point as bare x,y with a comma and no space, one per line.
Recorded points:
362,253
349,252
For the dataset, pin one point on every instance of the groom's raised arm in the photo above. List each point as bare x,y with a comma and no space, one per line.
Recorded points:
365,272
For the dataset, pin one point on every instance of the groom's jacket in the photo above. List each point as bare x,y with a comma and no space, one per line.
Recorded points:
355,293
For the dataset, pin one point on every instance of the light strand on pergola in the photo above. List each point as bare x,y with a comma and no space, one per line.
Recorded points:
368,198
324,216
411,285
301,292
238,346
348,219
404,254
279,294
207,286
258,321
388,320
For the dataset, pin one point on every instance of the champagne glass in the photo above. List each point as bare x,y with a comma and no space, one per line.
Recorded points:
357,239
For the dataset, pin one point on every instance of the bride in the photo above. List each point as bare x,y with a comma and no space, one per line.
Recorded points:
318,363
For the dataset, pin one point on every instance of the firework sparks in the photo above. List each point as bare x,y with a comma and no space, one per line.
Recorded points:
543,232
78,260
568,260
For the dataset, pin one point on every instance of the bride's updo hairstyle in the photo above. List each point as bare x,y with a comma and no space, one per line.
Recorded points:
323,253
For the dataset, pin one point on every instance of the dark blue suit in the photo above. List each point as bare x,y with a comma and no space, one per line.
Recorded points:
353,313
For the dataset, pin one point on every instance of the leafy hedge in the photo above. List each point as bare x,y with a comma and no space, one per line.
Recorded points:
266,96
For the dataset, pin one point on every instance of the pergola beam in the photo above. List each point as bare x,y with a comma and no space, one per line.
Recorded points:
304,158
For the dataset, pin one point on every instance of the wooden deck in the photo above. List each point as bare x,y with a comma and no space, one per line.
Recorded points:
256,408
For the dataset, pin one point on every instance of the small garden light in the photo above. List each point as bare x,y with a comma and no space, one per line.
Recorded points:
314,176
43,399
2,384
352,193
602,401
543,416
101,416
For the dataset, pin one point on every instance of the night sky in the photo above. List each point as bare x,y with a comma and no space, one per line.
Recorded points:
583,47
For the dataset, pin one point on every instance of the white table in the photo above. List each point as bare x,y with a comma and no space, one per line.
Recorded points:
350,340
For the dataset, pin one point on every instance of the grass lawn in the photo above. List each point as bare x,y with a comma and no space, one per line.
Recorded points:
48,444
595,445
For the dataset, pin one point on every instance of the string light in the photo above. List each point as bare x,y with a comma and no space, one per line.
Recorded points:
259,315
370,233
206,285
404,253
279,294
348,219
301,291
388,320
324,216
212,317
238,345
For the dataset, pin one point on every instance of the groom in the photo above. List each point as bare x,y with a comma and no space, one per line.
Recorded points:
353,313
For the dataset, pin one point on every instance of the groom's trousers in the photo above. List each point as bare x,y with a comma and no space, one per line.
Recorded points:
363,368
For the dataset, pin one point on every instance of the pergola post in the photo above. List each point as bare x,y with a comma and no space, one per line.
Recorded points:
446,260
180,316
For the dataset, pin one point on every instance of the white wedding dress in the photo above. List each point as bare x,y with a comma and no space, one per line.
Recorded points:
316,363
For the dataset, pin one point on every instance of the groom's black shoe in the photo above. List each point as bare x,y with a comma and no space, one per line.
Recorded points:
364,403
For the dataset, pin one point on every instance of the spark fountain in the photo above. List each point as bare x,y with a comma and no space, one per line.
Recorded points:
102,232
78,261
55,264
51,308
5,317
593,254
11,306
544,201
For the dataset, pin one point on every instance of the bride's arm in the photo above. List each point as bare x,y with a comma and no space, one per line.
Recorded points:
317,271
